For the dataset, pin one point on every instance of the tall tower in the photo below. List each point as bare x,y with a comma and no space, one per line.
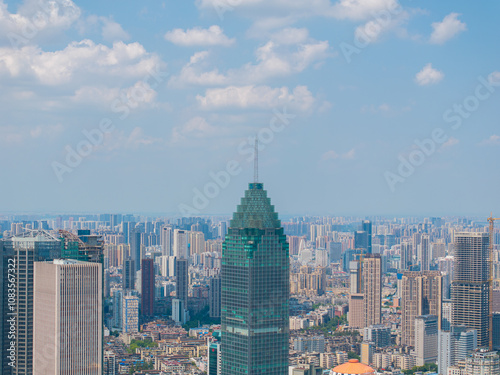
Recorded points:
470,287
67,317
255,289
367,227
421,295
372,288
128,274
19,254
148,287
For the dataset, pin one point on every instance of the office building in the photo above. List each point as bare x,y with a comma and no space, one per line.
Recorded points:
421,295
361,240
255,289
128,274
214,297
426,339
356,314
147,288
135,247
496,331
470,286
19,253
454,345
366,226
379,335
214,359
67,337
130,314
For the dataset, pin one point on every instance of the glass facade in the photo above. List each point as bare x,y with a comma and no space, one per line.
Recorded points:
255,289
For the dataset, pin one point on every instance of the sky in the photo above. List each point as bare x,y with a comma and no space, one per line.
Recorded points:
361,107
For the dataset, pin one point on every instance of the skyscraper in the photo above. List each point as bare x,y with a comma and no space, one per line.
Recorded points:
367,227
255,289
454,345
166,240
180,244
424,253
148,287
406,256
67,318
470,286
128,274
214,297
135,247
182,281
421,295
18,256
372,289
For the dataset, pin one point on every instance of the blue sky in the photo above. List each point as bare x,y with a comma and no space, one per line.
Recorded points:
171,93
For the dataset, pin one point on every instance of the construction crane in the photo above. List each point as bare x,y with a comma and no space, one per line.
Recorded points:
492,220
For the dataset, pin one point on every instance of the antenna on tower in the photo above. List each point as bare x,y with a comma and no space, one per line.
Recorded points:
256,161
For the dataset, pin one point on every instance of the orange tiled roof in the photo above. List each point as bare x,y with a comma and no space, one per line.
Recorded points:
353,367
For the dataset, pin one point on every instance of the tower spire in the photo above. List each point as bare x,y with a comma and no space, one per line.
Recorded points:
256,161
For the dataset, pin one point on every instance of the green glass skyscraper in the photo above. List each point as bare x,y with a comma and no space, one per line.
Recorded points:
255,289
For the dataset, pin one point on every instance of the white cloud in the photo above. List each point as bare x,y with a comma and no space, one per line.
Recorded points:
213,36
273,60
372,30
362,9
197,128
493,140
78,62
15,134
291,35
494,78
449,144
332,155
447,29
121,141
256,97
342,9
35,18
428,76
135,96
112,31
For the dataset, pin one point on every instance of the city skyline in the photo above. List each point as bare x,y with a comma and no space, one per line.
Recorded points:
335,116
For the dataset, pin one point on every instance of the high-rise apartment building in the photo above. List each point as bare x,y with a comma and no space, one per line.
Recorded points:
67,336
421,295
147,287
180,244
482,362
182,280
255,289
406,256
130,314
470,286
424,253
372,289
166,240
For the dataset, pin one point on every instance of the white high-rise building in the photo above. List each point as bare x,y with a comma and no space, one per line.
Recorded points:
166,240
67,317
180,250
